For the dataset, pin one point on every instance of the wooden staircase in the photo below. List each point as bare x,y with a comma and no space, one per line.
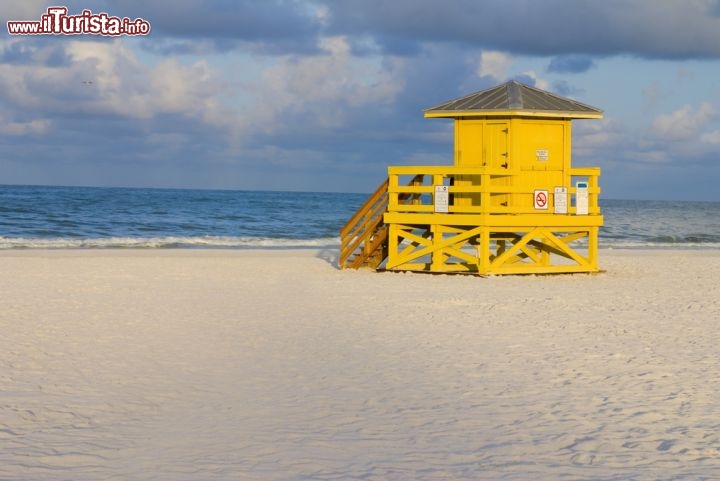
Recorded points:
364,238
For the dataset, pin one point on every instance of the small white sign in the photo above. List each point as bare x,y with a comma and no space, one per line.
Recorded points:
560,198
542,155
540,199
581,198
442,199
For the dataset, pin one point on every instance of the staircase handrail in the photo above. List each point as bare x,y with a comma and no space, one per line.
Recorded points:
363,228
363,223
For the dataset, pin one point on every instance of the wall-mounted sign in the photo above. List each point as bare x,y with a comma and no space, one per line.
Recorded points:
581,198
442,199
540,199
542,155
560,198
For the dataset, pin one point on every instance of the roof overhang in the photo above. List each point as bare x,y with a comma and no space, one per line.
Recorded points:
511,113
513,99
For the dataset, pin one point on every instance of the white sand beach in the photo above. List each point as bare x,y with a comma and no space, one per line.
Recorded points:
275,365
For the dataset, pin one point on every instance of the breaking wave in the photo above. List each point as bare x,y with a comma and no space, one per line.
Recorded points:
168,242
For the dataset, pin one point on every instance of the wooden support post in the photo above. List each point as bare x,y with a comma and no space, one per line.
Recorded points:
393,243
438,257
593,248
484,251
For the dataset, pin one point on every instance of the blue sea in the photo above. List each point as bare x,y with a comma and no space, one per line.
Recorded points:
89,217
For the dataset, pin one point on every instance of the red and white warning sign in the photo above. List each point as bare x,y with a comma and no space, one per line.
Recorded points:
540,199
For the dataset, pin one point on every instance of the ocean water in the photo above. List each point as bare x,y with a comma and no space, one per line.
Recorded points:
89,217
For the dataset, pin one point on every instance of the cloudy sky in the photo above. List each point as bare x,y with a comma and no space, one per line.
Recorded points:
321,95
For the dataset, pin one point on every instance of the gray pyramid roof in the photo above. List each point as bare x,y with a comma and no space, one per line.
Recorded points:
516,98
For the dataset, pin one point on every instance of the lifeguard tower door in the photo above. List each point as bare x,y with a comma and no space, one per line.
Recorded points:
482,143
469,153
497,157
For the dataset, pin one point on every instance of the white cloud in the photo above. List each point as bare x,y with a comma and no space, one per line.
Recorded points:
119,80
711,137
322,13
127,87
600,140
25,10
32,127
323,87
279,95
193,91
539,82
592,134
107,78
494,64
685,123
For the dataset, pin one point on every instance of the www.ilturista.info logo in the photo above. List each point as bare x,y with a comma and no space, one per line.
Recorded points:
57,22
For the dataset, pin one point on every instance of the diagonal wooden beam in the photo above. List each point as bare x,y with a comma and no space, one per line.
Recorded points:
415,242
531,251
461,255
512,251
564,247
420,240
573,237
553,249
436,246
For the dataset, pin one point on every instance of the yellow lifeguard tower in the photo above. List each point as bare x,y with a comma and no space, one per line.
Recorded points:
512,203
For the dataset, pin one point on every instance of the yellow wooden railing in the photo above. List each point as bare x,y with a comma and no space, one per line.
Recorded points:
481,187
363,238
474,192
362,230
